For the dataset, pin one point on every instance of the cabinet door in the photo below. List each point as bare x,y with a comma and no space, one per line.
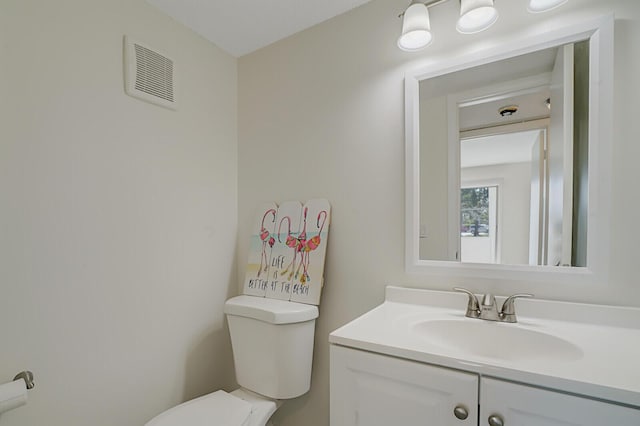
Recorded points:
520,405
376,390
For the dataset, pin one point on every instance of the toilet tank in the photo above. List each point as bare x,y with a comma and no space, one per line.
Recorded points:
272,344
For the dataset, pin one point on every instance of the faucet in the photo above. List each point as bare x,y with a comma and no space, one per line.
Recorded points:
488,310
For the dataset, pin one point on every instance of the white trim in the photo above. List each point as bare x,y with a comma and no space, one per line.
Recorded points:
600,32
453,178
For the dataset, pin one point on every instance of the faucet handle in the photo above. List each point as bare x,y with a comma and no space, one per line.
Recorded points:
508,312
473,307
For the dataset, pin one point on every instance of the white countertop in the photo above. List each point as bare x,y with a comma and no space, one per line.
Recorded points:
608,337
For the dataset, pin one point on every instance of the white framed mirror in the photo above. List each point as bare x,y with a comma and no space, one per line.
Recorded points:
508,159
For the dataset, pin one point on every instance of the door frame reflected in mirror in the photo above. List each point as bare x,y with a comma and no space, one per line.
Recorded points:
599,32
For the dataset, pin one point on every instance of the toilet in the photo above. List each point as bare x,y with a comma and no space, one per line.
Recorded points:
272,343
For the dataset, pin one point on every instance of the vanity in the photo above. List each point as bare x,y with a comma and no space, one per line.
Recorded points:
416,359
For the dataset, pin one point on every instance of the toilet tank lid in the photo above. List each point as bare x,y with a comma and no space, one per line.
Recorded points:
273,311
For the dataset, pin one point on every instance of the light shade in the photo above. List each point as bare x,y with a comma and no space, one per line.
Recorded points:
536,6
476,16
416,28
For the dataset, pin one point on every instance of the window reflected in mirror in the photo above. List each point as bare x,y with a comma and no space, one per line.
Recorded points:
479,223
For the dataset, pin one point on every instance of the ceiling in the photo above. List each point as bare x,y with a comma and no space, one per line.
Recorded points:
240,27
498,72
498,149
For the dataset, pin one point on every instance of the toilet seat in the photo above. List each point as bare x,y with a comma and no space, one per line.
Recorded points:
262,408
218,408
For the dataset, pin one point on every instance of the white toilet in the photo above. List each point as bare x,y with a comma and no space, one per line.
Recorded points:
272,344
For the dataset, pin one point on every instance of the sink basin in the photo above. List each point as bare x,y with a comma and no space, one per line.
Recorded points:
490,339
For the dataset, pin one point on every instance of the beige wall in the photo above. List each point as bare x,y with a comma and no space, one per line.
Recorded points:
117,217
321,115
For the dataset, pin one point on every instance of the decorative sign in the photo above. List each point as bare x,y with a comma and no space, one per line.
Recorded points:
287,251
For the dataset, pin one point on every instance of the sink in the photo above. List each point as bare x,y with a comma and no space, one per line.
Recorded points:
489,339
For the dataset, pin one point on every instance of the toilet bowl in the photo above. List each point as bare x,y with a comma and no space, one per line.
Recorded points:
272,343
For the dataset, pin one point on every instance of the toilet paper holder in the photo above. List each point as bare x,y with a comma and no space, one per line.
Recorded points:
27,376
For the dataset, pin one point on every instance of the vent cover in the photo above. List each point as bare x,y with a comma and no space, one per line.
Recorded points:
148,74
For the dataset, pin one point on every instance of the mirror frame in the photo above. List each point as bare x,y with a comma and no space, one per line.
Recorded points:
600,33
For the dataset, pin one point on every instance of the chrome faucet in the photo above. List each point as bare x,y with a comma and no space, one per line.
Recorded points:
488,310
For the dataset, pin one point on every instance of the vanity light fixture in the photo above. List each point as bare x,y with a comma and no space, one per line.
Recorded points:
475,16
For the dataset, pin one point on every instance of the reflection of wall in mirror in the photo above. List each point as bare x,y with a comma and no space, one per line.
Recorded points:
433,179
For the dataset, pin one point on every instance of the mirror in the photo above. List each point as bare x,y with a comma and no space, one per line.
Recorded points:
508,157
516,132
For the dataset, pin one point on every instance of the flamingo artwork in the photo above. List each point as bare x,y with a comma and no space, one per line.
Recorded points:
310,245
309,269
284,255
267,239
314,242
297,244
291,242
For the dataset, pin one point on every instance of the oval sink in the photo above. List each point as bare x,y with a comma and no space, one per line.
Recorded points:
496,340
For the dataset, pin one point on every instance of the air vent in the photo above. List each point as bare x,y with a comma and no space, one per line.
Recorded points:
148,74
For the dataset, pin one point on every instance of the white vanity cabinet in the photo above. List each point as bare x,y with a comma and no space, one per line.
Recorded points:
416,359
369,389
515,404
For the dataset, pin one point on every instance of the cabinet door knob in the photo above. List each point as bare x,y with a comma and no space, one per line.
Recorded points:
495,420
461,412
